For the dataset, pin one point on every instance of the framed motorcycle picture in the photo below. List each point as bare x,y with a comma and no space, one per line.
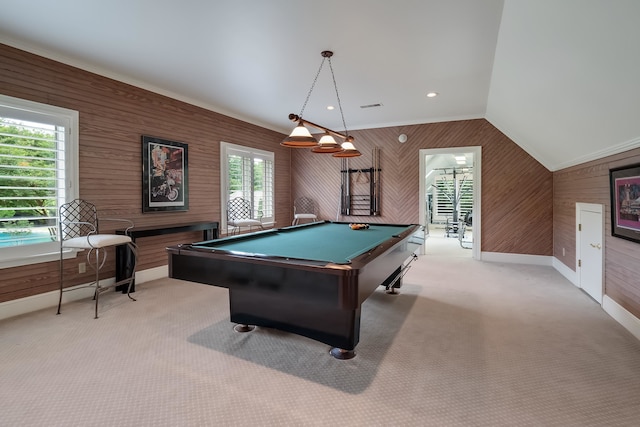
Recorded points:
625,202
164,175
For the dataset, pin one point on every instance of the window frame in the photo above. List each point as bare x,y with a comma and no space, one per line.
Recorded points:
227,148
21,109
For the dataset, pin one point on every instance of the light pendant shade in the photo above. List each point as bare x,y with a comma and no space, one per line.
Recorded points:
327,145
300,138
348,149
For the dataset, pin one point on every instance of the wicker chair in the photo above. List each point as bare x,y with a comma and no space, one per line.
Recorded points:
240,214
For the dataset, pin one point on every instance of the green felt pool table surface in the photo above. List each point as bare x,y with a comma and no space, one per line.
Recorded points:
324,241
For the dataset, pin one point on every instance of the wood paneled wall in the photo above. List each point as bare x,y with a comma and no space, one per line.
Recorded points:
518,215
589,183
516,196
113,116
516,189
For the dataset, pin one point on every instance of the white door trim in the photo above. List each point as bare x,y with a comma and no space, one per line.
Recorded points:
477,175
596,208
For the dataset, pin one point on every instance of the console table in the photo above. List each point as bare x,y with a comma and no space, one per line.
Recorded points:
124,257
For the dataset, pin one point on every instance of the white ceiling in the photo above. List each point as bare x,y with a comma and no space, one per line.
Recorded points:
559,77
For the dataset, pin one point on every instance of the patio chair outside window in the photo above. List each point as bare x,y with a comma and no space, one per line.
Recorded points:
240,214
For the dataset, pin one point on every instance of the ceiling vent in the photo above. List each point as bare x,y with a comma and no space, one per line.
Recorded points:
371,106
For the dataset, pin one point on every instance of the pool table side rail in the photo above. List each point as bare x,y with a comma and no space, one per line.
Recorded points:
356,263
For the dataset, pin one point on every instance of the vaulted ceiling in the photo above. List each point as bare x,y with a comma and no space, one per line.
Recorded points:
559,77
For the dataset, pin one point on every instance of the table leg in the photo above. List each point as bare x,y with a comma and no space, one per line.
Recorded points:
124,267
243,328
210,234
342,354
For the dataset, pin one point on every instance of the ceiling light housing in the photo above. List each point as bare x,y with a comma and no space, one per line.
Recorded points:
327,145
300,137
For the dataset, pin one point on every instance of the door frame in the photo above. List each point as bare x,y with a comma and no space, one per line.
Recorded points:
596,208
476,252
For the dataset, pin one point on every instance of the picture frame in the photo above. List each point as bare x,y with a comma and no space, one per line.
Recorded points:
625,202
165,179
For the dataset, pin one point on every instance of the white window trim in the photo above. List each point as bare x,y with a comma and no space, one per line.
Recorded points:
224,179
35,254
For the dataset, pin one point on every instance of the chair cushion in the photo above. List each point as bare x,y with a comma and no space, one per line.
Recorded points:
305,216
245,222
96,241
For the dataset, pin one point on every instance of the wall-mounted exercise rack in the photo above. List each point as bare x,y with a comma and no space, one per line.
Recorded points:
360,188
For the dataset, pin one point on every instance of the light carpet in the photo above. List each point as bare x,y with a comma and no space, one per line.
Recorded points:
466,343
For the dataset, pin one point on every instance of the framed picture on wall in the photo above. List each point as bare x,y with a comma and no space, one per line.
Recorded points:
164,175
625,202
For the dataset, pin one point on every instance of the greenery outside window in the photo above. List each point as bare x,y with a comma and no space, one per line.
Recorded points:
38,173
247,173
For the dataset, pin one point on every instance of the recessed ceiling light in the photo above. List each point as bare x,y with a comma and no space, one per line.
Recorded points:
432,94
330,107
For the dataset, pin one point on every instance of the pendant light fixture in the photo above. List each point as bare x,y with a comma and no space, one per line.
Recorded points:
301,137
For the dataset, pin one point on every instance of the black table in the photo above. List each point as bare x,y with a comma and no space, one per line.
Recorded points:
309,279
124,257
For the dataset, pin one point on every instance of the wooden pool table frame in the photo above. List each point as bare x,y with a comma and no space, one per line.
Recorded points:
318,300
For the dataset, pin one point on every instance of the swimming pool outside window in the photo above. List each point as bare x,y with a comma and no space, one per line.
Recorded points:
38,172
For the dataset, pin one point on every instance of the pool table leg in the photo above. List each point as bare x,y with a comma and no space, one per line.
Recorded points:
318,320
342,354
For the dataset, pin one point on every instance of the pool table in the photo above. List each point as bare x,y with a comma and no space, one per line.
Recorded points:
308,279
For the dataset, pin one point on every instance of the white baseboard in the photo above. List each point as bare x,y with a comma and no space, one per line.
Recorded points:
42,301
516,258
152,274
612,308
568,273
622,316
50,299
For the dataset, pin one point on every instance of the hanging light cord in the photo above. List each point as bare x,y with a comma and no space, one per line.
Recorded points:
335,85
314,83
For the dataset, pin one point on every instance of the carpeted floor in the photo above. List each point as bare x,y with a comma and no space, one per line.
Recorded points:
438,244
465,343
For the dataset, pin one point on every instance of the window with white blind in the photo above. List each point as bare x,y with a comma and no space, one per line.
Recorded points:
38,173
453,190
247,173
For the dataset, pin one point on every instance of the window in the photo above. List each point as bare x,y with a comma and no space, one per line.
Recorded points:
247,173
456,188
38,173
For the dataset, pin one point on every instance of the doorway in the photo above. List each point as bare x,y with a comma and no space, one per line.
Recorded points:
444,199
590,249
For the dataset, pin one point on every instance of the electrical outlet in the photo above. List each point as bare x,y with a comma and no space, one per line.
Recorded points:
82,267
562,251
